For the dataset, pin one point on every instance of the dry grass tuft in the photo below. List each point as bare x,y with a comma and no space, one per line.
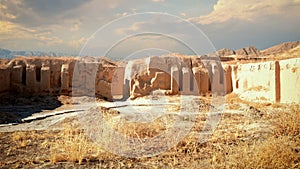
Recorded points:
241,140
287,121
73,146
235,102
141,130
21,139
281,152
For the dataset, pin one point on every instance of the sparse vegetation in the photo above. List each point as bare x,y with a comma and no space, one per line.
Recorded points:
72,145
273,152
21,139
287,121
261,135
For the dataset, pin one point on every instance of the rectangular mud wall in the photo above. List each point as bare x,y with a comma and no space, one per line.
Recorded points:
117,83
18,79
5,80
45,79
275,81
290,80
228,79
64,77
255,81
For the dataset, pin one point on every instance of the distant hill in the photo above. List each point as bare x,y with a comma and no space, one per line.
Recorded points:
284,50
8,54
281,48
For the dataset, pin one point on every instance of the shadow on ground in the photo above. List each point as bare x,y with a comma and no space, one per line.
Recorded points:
14,107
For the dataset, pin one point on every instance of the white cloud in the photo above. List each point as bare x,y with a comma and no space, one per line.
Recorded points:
76,43
75,26
5,14
11,29
248,10
126,30
158,0
183,14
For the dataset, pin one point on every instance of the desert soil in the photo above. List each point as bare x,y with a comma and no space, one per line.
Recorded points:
33,134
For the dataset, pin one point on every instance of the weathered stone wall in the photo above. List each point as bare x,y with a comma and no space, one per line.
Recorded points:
289,80
276,81
255,78
185,75
101,77
37,76
5,80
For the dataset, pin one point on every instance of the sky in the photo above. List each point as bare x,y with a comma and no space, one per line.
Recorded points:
126,27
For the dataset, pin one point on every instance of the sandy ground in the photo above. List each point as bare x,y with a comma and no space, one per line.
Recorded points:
206,122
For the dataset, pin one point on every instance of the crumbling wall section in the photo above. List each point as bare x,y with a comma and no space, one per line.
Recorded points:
275,81
290,80
35,76
5,80
255,81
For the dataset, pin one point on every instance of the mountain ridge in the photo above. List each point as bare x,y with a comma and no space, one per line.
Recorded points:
10,54
246,52
252,52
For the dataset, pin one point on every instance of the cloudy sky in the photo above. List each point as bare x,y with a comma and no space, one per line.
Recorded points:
121,27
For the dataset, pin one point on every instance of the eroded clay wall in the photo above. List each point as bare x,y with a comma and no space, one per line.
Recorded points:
275,81
290,80
258,79
4,80
95,76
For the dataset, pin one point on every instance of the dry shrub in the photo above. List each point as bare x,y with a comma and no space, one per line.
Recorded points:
139,130
236,102
146,129
21,138
287,121
73,146
281,152
272,151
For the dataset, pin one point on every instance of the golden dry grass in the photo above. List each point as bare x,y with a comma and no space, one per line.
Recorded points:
72,145
280,152
21,139
240,141
230,148
287,121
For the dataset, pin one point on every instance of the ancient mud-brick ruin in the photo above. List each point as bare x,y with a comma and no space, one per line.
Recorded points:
275,81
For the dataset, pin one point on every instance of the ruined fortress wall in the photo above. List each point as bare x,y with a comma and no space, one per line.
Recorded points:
255,77
36,76
290,80
178,75
4,80
275,81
